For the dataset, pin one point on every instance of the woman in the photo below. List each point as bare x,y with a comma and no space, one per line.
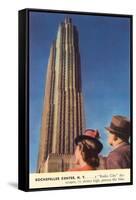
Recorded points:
87,149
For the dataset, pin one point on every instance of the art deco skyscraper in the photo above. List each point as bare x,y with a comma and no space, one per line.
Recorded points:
63,113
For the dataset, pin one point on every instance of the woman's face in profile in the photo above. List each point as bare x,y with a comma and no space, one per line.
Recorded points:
77,155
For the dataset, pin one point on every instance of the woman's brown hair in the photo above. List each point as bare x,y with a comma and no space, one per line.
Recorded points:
89,152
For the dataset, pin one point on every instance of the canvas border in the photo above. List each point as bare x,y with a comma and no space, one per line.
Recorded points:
23,98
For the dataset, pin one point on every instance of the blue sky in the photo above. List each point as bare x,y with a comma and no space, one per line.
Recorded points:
105,63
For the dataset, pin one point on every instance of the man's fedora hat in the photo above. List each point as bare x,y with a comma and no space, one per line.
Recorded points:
91,135
120,126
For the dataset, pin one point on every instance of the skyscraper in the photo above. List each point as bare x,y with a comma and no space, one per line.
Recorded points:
63,114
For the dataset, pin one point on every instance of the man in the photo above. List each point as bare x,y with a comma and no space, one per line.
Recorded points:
118,138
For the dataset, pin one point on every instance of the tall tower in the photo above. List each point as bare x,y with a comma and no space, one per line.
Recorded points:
63,113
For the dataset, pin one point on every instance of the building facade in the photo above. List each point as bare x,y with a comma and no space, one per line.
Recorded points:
63,111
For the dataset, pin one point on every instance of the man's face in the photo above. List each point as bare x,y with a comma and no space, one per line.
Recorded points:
111,138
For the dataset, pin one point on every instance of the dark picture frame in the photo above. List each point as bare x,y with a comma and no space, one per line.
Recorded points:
24,101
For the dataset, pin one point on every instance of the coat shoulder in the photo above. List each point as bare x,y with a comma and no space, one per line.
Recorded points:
119,158
121,150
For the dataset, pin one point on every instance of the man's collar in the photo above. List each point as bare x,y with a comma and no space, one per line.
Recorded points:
119,145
